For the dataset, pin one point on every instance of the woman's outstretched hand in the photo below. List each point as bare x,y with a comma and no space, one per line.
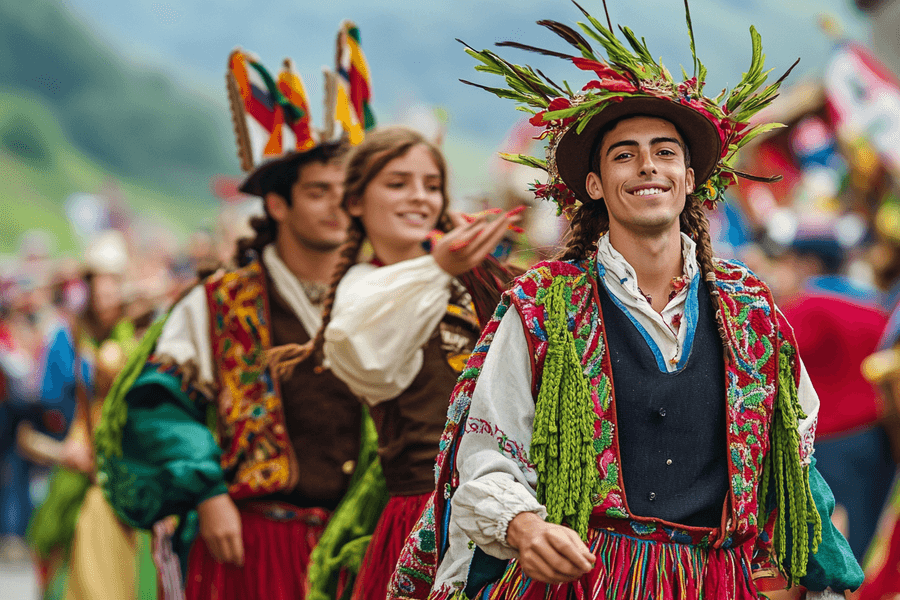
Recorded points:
463,248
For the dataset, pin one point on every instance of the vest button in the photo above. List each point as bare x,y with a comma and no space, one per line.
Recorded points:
662,412
348,467
669,461
651,496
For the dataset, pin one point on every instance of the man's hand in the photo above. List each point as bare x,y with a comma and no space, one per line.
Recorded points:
220,527
468,244
548,553
77,455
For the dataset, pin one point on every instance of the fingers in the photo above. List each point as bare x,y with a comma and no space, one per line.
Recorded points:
466,235
490,237
559,563
543,564
482,242
226,548
573,550
553,554
212,544
234,546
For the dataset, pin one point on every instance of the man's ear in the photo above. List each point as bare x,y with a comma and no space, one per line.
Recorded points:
593,185
354,206
276,206
689,181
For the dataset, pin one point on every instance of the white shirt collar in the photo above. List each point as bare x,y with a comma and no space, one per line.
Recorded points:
613,261
290,289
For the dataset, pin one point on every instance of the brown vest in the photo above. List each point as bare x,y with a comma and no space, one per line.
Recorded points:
322,418
410,425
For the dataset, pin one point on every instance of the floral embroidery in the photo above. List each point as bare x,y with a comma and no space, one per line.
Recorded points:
251,422
753,331
507,446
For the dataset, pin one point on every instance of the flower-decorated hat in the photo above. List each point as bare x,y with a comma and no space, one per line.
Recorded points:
271,116
629,82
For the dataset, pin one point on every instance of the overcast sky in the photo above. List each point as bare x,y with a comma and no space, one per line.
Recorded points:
413,56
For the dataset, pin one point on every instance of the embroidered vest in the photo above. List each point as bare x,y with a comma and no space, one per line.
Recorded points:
754,331
751,326
257,455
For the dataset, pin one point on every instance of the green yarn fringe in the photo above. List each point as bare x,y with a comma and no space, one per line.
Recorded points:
108,434
562,445
344,542
794,504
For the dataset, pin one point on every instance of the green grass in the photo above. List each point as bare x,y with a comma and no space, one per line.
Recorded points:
40,168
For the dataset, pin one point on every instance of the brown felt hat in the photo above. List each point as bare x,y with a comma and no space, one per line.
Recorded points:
575,151
257,182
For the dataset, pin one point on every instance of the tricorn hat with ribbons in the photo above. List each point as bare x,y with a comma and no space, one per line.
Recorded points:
271,115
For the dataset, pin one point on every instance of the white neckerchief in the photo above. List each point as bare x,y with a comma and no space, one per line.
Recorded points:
290,289
621,281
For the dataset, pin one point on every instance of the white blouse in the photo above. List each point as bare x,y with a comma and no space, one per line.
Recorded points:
382,318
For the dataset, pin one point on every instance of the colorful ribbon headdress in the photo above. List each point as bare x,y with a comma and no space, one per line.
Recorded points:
271,116
629,81
349,87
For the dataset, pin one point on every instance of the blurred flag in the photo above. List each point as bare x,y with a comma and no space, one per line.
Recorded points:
291,85
352,85
352,66
864,99
270,118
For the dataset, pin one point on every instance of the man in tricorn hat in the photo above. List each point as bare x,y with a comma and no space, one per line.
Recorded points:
215,418
636,421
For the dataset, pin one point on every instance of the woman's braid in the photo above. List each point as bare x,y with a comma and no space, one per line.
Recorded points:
349,256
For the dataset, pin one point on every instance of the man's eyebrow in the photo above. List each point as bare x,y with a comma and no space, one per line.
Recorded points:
317,184
660,140
621,143
653,142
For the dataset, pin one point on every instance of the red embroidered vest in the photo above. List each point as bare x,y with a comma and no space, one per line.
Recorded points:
752,327
257,455
754,330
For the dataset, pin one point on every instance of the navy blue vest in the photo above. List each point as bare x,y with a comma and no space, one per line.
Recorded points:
671,425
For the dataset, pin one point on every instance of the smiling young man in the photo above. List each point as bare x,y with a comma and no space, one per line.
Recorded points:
635,422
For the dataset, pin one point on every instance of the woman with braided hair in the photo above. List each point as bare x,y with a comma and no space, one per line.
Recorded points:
635,422
399,328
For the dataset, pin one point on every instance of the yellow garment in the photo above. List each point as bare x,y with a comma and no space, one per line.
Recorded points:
103,564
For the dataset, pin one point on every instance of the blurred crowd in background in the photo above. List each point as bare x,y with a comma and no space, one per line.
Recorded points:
826,238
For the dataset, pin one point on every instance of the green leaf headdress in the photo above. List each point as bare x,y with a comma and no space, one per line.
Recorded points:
629,81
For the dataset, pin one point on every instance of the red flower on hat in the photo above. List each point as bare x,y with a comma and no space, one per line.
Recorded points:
555,104
610,79
557,192
689,87
611,86
721,124
602,70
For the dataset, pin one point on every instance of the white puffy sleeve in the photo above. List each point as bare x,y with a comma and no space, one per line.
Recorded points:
497,479
382,318
185,336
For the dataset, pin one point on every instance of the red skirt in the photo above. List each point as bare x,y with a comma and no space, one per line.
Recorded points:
396,522
278,540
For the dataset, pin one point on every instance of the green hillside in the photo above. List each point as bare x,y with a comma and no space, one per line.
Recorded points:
41,168
131,120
